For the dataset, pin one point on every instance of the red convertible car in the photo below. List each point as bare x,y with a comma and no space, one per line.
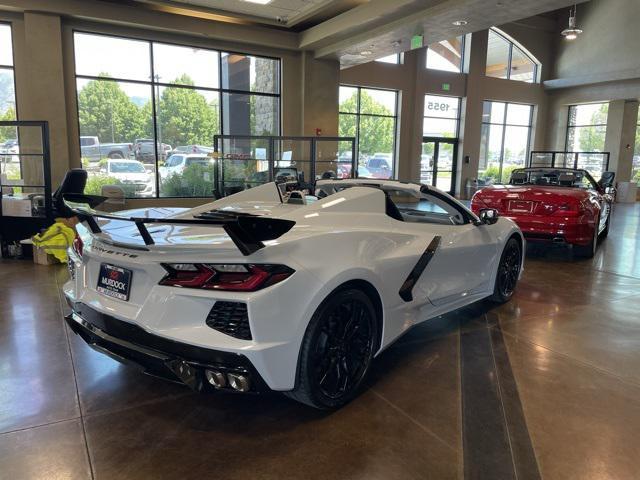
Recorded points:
558,205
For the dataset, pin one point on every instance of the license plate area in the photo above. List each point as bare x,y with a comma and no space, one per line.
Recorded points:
114,282
520,206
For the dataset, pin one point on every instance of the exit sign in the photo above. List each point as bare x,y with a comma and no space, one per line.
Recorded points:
446,87
416,42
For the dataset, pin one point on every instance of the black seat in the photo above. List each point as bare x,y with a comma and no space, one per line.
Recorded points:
74,182
542,181
518,178
606,180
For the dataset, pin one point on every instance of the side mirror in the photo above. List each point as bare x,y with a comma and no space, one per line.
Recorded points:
488,216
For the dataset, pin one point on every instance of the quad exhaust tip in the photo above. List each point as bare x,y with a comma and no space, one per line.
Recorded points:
236,381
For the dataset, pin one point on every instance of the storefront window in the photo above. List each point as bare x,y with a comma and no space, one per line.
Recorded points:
506,135
507,60
370,115
170,102
446,55
587,127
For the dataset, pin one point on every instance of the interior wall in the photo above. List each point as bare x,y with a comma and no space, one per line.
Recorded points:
413,80
601,65
608,44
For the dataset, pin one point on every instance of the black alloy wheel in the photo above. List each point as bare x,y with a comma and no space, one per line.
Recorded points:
337,350
508,271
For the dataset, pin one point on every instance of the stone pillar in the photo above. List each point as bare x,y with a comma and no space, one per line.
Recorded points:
620,139
321,81
471,121
236,107
41,92
266,117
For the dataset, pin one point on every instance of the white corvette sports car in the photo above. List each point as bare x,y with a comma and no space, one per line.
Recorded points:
290,293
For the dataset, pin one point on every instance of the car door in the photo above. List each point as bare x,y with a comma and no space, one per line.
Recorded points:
464,254
463,263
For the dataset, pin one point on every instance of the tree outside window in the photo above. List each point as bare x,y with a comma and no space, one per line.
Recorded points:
587,127
171,100
505,140
370,116
9,164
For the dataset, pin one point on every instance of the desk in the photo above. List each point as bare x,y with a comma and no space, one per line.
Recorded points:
18,205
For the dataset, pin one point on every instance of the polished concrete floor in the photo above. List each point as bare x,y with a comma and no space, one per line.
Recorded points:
546,386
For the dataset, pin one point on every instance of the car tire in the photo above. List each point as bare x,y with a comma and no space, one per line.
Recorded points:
337,350
589,250
116,155
508,271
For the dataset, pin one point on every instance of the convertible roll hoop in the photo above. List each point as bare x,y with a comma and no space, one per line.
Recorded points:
248,232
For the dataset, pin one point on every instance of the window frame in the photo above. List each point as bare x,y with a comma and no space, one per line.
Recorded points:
512,43
156,85
399,58
12,67
636,153
358,114
463,51
457,118
504,126
585,125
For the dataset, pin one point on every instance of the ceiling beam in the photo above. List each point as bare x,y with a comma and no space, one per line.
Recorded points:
379,25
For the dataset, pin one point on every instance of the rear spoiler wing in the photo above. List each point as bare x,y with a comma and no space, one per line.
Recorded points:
248,232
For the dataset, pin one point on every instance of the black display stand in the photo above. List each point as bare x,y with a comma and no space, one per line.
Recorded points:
15,228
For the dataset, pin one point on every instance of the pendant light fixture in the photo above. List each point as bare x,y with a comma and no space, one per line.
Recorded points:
571,33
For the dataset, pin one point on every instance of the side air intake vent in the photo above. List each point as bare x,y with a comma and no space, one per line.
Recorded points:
231,319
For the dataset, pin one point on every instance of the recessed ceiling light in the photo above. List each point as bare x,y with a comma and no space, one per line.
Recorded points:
366,52
460,23
261,2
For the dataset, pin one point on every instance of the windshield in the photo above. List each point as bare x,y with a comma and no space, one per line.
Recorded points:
552,177
122,167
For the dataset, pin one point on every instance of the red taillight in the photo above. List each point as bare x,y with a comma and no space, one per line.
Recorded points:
77,246
568,210
230,277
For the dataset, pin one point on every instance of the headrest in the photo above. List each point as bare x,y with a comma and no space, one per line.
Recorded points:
518,178
566,179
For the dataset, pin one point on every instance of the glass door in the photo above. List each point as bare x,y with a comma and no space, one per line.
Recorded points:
439,162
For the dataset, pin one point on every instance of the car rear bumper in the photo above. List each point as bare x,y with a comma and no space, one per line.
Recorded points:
175,361
572,230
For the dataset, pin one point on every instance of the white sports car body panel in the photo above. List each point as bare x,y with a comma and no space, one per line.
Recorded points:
420,264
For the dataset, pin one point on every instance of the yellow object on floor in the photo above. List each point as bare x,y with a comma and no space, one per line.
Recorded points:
55,240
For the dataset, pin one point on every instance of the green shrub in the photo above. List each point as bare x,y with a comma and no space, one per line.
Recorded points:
493,171
96,182
195,181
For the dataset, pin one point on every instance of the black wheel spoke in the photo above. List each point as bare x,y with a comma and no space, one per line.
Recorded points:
508,270
343,348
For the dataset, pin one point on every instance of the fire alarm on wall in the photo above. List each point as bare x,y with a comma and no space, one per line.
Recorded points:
318,132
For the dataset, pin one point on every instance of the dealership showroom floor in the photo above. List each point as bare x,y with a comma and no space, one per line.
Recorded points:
546,386
403,227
